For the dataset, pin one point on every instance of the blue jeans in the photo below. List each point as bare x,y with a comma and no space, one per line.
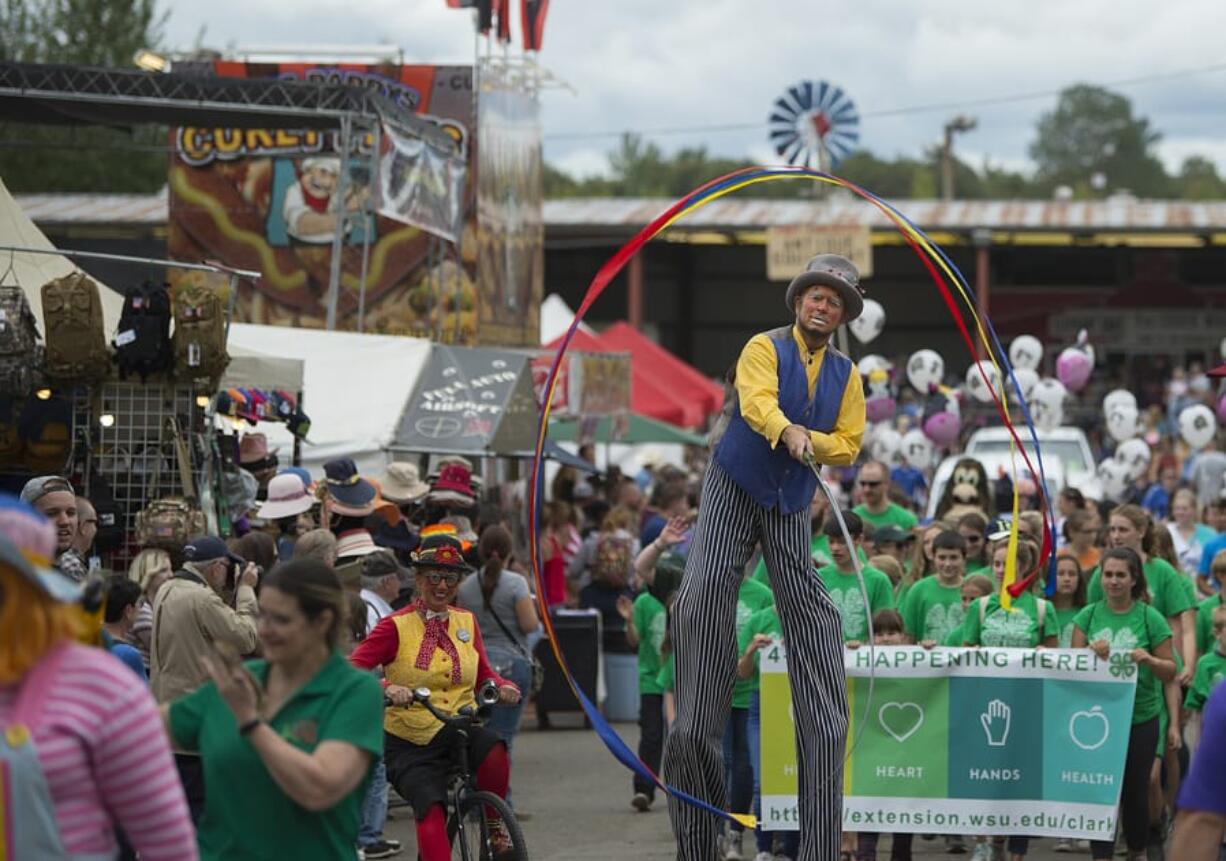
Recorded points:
738,772
374,806
504,720
753,731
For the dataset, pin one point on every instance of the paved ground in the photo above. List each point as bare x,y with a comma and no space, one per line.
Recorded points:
578,800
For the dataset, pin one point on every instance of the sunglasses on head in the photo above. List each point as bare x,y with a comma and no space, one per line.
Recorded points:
435,577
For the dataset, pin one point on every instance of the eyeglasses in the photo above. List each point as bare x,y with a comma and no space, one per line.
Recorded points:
864,483
451,578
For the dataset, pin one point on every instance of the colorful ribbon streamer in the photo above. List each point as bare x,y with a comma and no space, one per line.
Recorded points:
939,268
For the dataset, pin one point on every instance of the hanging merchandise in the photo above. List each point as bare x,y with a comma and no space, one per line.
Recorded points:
256,405
142,345
170,522
18,341
72,319
45,431
199,338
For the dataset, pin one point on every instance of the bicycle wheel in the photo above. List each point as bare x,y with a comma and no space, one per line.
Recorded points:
473,836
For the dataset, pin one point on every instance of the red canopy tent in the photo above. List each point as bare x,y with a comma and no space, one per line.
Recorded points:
665,366
653,394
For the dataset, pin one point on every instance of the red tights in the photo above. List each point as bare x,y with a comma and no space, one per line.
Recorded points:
493,775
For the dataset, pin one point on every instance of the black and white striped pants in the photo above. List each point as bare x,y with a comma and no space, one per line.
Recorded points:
704,638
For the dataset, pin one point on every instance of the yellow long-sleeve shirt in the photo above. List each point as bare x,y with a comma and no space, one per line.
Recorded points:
757,386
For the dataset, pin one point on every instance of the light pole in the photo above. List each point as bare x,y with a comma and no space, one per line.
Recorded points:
960,123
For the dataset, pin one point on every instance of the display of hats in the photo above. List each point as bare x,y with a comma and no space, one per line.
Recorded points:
402,483
27,545
287,497
440,551
253,452
348,493
454,486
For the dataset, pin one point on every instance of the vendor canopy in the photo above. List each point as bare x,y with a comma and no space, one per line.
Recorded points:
471,400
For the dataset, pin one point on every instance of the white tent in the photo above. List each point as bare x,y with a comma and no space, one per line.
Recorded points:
355,388
32,271
556,317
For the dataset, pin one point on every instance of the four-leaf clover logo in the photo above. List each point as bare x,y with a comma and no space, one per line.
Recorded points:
1122,665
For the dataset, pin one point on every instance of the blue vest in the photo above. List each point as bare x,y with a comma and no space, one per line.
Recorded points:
772,476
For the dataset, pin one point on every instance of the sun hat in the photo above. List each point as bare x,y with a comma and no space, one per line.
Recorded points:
454,484
835,271
402,483
253,451
287,497
303,475
349,493
440,551
27,544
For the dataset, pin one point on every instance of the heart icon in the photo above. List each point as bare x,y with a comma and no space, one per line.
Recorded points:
1089,730
900,720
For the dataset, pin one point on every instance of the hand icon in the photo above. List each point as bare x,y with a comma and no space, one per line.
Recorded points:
996,723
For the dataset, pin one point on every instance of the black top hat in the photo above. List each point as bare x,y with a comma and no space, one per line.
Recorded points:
834,271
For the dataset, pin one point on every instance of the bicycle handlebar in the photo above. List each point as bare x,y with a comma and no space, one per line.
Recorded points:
486,695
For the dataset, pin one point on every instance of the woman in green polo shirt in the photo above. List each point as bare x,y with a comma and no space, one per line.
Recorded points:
287,742
1125,630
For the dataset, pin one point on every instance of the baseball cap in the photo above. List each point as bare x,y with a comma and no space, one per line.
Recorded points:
204,548
891,534
36,488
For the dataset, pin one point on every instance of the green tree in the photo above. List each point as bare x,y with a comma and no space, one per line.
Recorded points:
75,157
1198,180
1093,142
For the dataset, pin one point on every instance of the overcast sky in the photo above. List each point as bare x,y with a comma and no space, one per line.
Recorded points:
652,64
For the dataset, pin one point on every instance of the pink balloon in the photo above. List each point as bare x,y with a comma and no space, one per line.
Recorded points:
1073,368
1221,410
942,428
880,409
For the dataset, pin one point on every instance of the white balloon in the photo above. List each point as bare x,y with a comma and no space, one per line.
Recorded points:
925,368
1119,397
1047,417
885,445
869,324
1134,454
980,390
1026,380
1026,351
1113,476
916,449
1197,425
873,362
1049,392
1122,422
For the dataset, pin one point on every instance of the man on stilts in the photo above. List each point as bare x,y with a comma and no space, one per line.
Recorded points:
798,400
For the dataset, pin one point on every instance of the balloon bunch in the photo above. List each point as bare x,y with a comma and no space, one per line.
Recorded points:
952,287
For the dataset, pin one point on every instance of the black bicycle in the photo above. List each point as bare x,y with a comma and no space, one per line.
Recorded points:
473,816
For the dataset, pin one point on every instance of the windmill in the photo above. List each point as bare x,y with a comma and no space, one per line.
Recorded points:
814,124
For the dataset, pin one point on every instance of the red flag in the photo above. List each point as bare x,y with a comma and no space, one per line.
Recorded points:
532,15
504,20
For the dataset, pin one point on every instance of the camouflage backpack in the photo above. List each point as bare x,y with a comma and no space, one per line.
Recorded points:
72,317
18,341
199,338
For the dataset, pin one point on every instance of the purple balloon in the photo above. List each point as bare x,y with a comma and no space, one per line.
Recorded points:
1073,368
882,409
942,428
1221,410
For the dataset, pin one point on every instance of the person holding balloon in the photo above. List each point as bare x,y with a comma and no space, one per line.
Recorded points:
799,404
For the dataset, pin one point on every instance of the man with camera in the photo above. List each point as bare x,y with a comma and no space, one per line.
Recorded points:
192,621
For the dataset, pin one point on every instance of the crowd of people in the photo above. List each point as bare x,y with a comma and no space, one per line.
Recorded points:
258,696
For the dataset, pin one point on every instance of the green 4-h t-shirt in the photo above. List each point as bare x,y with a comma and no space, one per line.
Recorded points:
894,515
1204,623
765,621
1170,593
651,621
247,816
931,611
987,623
753,598
844,589
668,674
819,550
1210,670
1140,627
1064,621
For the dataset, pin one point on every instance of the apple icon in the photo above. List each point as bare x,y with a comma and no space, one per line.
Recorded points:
1089,730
